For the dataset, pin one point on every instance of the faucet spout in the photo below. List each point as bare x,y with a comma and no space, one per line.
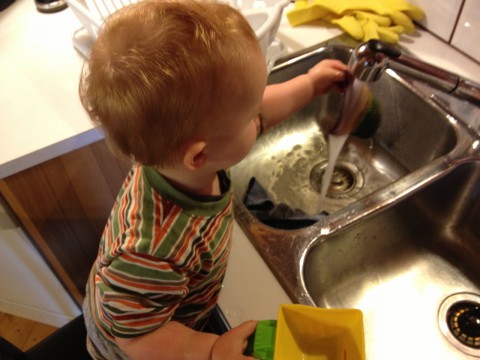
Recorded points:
371,58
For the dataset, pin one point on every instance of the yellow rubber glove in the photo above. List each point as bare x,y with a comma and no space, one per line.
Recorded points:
340,7
317,9
350,25
378,19
361,19
388,35
412,11
370,29
402,19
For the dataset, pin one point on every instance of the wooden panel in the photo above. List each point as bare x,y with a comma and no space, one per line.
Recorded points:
63,204
23,333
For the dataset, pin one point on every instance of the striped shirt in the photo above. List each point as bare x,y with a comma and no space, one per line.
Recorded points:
162,257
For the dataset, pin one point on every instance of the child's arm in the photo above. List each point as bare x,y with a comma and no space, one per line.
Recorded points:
281,100
178,342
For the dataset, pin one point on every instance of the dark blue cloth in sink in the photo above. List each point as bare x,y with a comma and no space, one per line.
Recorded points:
280,216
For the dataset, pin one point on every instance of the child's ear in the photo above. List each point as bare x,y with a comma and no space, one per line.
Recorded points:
194,156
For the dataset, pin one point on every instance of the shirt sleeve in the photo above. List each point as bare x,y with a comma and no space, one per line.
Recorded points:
139,293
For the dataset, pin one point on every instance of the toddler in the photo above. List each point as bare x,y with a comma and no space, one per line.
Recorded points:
179,87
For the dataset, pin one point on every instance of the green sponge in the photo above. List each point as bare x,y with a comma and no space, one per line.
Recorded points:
370,121
261,344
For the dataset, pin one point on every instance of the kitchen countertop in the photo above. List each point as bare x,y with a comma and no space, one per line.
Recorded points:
42,118
41,115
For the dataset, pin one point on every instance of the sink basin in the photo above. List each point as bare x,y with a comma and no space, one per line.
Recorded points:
289,160
405,267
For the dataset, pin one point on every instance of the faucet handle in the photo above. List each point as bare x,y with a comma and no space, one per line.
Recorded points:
384,48
366,64
371,58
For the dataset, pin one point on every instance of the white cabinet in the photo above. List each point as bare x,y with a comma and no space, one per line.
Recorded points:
441,16
468,30
28,287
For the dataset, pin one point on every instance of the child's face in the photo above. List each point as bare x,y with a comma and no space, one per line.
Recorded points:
239,133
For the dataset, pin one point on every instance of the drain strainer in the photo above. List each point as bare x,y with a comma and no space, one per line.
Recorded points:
459,320
346,179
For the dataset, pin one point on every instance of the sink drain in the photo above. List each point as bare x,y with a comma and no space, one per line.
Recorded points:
459,320
346,180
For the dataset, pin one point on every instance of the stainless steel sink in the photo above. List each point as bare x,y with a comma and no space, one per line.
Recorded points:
290,159
403,243
401,264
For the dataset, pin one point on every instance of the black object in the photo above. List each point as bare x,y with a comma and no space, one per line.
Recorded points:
5,4
50,6
387,49
68,342
464,323
279,216
217,323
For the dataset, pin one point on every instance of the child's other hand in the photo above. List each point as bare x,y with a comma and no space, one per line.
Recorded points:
233,343
329,74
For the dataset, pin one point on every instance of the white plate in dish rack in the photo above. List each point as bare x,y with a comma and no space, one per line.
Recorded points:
263,15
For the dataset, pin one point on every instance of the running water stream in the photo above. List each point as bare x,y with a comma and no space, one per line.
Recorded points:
335,145
348,114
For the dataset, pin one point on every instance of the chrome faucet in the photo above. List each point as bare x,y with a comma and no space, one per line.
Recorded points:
371,58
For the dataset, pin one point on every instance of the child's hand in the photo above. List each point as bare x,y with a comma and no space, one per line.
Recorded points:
329,74
233,343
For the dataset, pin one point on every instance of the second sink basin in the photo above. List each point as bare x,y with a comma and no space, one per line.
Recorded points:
405,268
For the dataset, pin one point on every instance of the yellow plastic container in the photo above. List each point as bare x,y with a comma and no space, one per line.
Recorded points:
310,333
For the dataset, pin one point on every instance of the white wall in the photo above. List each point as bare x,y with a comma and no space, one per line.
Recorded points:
454,21
441,16
467,31
28,288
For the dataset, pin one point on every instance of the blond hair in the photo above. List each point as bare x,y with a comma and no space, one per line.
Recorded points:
162,71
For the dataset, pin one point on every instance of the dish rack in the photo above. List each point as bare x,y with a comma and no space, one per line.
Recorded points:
263,16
